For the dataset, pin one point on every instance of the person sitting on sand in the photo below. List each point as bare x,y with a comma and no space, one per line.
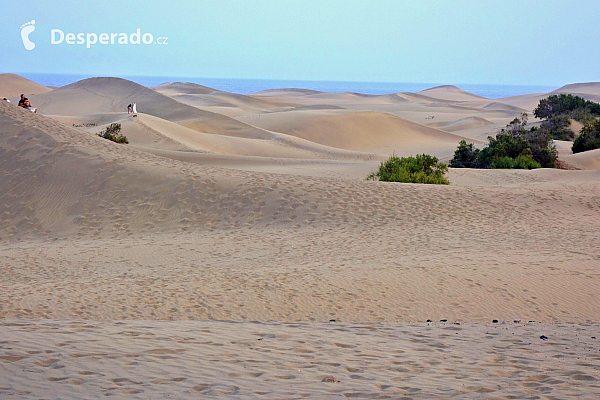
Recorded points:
22,101
6,100
27,105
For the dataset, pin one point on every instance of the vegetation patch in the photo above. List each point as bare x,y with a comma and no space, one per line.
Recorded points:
589,139
422,168
566,104
513,148
557,112
113,133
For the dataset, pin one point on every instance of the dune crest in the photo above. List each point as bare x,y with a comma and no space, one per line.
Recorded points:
12,85
449,92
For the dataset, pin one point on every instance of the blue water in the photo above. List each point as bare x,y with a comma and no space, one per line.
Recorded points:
245,86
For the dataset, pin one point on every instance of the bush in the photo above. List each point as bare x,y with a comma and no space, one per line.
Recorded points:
507,145
564,104
526,161
532,148
583,115
558,127
589,139
420,169
543,149
113,132
503,163
465,156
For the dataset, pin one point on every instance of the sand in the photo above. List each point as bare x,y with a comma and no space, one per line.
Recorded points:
152,269
148,359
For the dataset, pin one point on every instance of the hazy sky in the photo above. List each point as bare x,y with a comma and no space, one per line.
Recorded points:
496,42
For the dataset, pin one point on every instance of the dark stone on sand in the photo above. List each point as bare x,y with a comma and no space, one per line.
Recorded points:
332,320
330,379
543,337
443,320
429,320
494,321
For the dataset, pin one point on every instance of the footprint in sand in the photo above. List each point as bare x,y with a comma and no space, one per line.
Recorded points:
26,29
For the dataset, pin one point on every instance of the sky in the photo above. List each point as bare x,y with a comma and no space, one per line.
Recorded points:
551,42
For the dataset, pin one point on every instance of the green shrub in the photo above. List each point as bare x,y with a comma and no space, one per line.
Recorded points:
526,162
420,169
503,163
558,127
583,115
543,149
507,145
589,139
465,156
564,104
113,132
535,147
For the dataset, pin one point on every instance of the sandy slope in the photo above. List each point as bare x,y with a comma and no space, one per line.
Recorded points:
63,184
462,124
585,160
589,91
12,86
157,135
150,359
361,131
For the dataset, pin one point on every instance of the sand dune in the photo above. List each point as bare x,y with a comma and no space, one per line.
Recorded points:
229,104
527,102
290,92
584,160
367,131
12,85
462,124
110,95
499,106
449,92
163,137
590,88
185,87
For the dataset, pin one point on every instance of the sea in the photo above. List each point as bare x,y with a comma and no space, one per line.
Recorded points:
246,86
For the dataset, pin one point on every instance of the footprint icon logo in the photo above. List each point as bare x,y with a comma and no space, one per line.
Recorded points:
26,29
